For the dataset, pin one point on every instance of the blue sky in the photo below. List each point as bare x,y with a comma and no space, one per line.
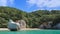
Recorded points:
32,5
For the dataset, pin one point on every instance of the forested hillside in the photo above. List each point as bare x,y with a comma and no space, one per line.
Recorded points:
7,13
33,19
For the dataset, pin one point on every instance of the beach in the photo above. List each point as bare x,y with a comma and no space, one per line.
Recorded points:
21,29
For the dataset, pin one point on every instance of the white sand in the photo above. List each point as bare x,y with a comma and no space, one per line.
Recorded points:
21,29
3,28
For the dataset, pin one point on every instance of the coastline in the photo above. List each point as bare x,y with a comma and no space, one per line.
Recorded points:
21,29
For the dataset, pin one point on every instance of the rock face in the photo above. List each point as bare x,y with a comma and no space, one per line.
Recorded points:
22,24
45,26
12,26
57,26
16,25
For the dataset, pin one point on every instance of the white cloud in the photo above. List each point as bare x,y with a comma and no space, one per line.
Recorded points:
6,2
3,2
44,3
11,1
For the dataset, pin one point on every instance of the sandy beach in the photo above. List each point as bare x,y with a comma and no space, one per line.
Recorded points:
21,29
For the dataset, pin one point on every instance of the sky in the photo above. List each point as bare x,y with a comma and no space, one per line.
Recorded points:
32,5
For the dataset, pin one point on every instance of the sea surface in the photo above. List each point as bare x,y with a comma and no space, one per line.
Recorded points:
31,32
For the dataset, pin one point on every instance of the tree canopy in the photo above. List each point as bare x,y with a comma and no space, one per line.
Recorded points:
33,19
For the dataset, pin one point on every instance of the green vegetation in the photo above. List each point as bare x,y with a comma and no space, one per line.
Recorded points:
7,13
33,19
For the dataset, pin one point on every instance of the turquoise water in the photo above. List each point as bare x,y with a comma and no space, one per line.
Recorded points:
31,32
